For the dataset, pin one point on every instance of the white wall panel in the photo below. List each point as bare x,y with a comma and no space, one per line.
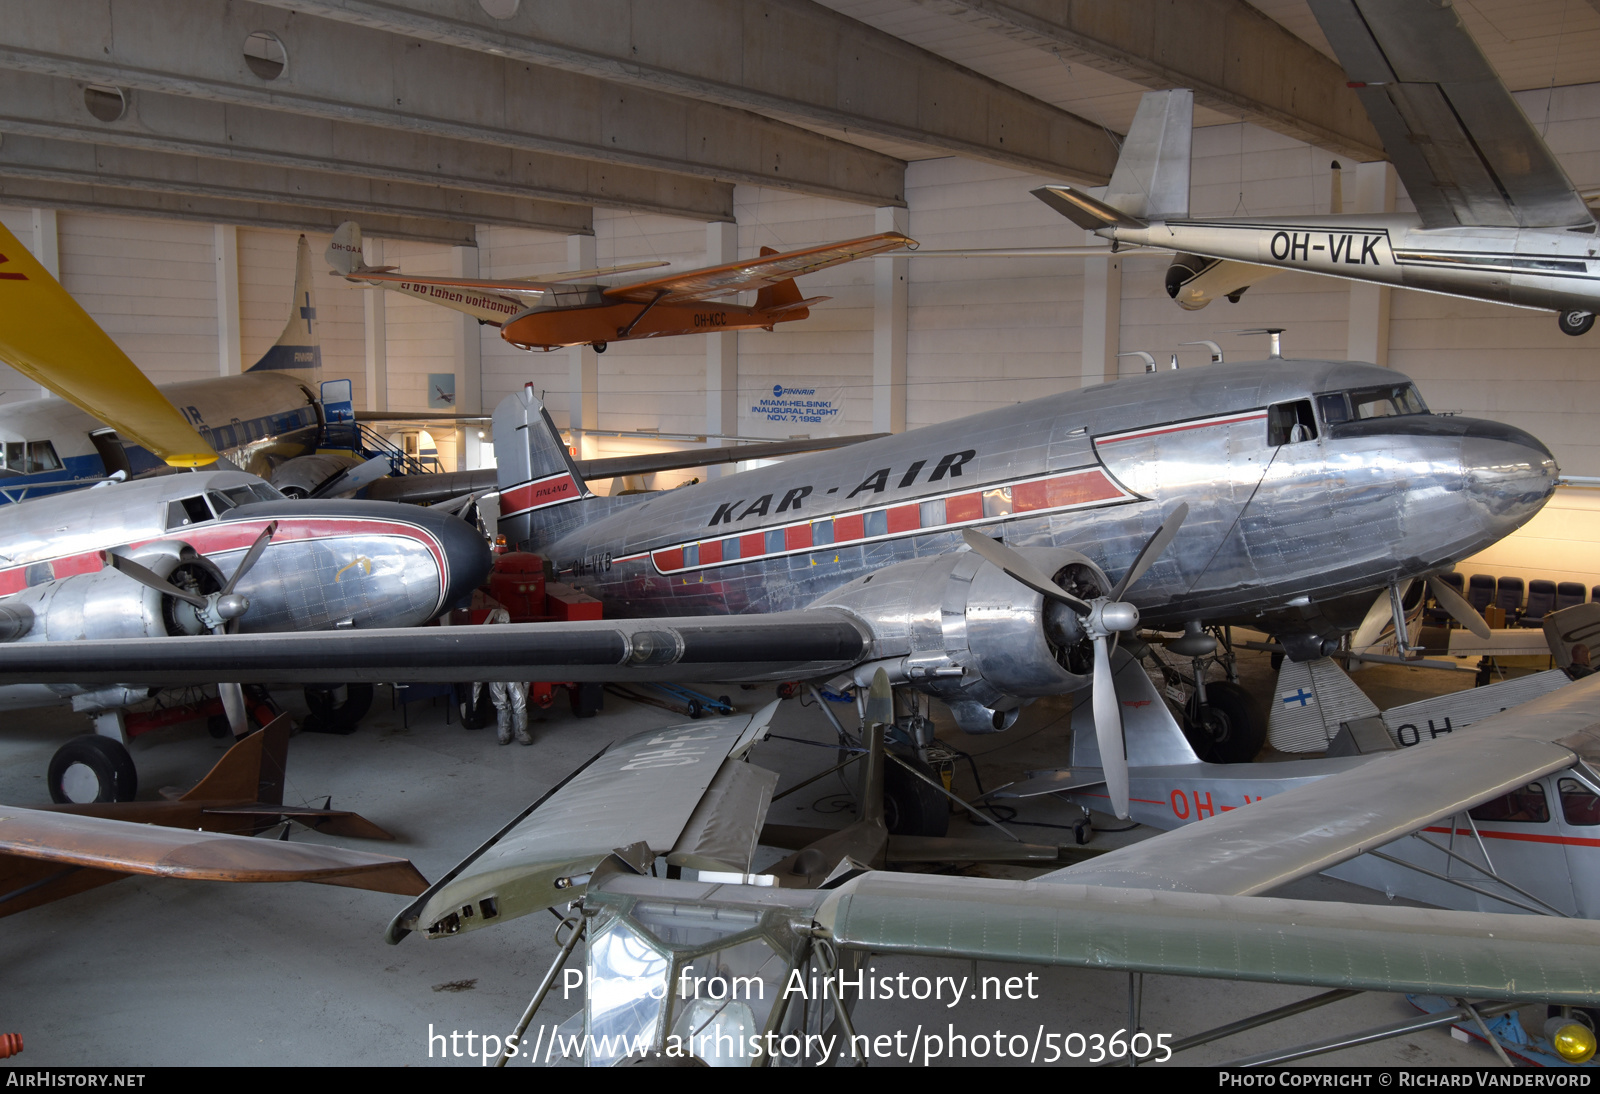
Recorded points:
15,387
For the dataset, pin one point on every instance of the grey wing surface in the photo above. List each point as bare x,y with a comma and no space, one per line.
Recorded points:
1301,832
803,644
1464,149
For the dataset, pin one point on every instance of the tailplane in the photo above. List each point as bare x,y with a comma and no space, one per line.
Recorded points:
299,348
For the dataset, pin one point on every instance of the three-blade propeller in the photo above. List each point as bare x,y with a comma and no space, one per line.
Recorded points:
1102,617
214,610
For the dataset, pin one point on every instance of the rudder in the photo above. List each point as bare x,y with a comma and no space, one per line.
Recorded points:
299,348
535,472
1151,179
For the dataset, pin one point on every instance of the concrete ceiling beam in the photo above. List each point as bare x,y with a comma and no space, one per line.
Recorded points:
343,72
120,201
789,59
1236,59
46,106
162,172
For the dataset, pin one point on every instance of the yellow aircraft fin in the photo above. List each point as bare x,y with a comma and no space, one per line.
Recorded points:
49,338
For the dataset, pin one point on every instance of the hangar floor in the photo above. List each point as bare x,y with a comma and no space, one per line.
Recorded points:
151,972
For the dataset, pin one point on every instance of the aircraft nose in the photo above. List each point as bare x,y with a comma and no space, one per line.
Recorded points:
1509,472
468,556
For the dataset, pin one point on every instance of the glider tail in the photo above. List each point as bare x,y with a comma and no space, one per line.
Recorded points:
299,349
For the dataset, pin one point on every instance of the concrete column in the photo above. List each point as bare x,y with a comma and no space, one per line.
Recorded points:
47,249
583,386
1369,303
225,250
722,350
889,329
469,344
1102,319
376,332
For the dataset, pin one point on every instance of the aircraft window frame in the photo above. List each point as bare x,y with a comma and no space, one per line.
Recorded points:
1290,422
1333,399
1518,807
220,502
42,457
1570,812
1405,400
185,512
16,455
240,495
267,492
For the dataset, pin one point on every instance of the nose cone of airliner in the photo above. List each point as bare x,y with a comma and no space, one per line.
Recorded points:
1509,474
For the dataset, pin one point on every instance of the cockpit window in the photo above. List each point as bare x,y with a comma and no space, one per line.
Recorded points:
239,495
220,501
1290,423
266,493
188,511
1387,401
1333,408
29,457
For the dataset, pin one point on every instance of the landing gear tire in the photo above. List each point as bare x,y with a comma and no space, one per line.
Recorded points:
474,715
599,347
1230,729
333,713
1575,322
587,699
92,768
695,709
910,806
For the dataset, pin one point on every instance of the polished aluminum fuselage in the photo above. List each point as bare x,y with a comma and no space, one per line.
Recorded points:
1271,529
1551,268
330,563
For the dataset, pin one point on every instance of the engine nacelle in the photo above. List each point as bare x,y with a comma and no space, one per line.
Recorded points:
110,604
959,628
1195,281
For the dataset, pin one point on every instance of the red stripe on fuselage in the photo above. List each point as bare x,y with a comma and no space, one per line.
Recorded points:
538,494
1179,427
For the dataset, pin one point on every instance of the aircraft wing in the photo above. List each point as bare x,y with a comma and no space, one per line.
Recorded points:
519,287
803,644
682,791
1463,147
48,337
1301,832
756,273
122,847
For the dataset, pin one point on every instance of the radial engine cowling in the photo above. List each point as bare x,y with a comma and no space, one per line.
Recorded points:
958,627
109,604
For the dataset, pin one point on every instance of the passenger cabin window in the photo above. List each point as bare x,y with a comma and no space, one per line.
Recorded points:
1387,401
188,511
1524,806
1290,423
1580,806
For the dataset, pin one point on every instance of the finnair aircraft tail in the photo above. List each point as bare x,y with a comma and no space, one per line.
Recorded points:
298,349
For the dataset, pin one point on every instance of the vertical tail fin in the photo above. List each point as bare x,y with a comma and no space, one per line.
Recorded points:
1151,179
344,249
784,292
251,771
535,471
298,348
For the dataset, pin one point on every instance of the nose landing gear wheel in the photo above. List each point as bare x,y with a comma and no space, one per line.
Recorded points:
92,768
1229,729
1575,322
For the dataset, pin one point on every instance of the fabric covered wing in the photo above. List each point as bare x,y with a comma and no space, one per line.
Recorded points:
665,788
781,646
757,273
1463,147
96,843
1303,831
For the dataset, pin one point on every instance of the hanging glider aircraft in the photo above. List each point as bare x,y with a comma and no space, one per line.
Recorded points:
1280,494
1497,218
567,309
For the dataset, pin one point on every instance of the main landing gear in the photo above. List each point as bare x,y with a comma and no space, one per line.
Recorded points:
1221,720
92,768
1575,322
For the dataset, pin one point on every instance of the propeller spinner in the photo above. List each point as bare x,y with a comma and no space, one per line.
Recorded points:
1101,617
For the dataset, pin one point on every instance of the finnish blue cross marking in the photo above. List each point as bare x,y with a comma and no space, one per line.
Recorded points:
1303,697
308,313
